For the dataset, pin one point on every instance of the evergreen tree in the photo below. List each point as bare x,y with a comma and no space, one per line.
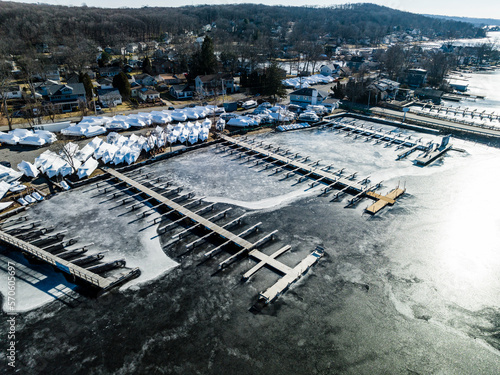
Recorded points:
87,83
204,61
104,59
146,66
121,82
273,82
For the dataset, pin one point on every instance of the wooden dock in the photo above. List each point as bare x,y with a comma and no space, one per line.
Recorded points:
383,200
243,247
79,273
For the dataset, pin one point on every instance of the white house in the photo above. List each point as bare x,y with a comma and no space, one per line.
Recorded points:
148,94
13,92
213,84
110,98
332,68
105,83
132,48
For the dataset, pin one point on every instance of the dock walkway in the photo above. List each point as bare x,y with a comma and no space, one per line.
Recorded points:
312,171
245,247
68,267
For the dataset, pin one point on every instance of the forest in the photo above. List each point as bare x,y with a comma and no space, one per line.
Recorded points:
27,25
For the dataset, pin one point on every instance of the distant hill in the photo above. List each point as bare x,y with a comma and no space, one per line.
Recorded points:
24,25
474,21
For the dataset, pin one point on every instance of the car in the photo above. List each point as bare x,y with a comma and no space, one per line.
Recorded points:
171,108
98,108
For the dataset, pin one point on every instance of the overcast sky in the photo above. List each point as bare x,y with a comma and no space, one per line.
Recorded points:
461,8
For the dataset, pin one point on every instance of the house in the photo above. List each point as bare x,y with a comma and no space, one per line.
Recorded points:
416,77
331,103
355,62
162,65
132,48
52,72
330,69
152,45
148,94
13,92
214,84
385,88
65,97
110,71
145,79
134,63
110,98
105,83
305,96
427,93
182,91
134,89
161,52
142,46
170,79
72,78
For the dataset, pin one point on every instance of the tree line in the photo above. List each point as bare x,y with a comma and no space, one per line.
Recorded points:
39,24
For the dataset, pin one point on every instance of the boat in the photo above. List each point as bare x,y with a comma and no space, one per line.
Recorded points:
220,124
193,136
308,117
249,104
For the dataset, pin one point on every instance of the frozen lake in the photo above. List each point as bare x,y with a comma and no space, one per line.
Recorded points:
414,289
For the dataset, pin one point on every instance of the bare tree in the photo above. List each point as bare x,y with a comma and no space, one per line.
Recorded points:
82,106
32,66
50,110
5,81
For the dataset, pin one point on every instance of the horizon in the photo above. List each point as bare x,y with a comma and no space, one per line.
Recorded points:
485,9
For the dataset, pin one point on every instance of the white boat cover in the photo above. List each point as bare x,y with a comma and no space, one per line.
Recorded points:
193,136
22,201
16,187
9,175
203,135
87,168
47,135
132,156
29,199
177,115
45,160
28,169
109,154
37,196
9,139
4,205
32,140
56,167
4,188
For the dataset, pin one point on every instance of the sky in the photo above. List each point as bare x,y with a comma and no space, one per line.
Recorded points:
459,8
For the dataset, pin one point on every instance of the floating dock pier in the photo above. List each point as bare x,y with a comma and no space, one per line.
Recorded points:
295,164
241,247
76,272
